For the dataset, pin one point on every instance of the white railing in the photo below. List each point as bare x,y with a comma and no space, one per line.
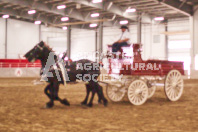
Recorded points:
19,65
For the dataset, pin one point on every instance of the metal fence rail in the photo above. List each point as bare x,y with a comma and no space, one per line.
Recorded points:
19,65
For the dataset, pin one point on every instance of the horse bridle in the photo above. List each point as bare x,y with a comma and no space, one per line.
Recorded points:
41,48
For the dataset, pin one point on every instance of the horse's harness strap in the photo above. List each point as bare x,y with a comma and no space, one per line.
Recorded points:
61,65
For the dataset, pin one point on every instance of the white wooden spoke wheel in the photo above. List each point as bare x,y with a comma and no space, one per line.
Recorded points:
174,85
138,92
115,93
151,91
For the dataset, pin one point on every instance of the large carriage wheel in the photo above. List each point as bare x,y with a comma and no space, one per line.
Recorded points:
174,85
115,93
138,92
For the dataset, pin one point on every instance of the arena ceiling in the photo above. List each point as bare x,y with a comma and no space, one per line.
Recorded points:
111,11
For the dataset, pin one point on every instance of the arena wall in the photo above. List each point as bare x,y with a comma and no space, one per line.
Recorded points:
19,72
196,31
22,36
2,38
19,68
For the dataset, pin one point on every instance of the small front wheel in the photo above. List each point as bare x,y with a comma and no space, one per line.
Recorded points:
115,93
138,92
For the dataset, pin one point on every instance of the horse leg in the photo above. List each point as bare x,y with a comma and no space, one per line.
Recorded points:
62,101
50,88
88,88
47,91
99,97
101,94
92,84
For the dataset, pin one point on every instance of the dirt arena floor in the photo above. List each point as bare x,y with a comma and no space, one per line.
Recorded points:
22,110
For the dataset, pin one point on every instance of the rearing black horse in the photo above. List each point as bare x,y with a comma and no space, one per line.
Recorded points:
77,70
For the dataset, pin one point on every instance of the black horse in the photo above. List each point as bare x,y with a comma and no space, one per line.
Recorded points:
53,73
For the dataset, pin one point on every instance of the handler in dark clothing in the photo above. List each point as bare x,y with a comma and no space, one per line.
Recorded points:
124,39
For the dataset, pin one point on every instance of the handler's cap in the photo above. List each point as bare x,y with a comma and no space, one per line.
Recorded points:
125,27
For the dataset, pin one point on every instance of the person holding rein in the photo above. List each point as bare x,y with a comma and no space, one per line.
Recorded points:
123,40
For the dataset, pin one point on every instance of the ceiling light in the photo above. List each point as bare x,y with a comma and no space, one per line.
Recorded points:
61,7
78,6
37,22
159,18
66,59
93,25
5,16
31,11
131,10
96,1
64,19
109,5
95,15
64,28
124,22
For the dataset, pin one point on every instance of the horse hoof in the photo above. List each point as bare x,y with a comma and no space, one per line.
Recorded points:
49,105
99,102
90,105
65,102
105,102
83,103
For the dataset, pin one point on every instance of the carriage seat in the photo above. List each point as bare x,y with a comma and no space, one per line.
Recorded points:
110,46
121,50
